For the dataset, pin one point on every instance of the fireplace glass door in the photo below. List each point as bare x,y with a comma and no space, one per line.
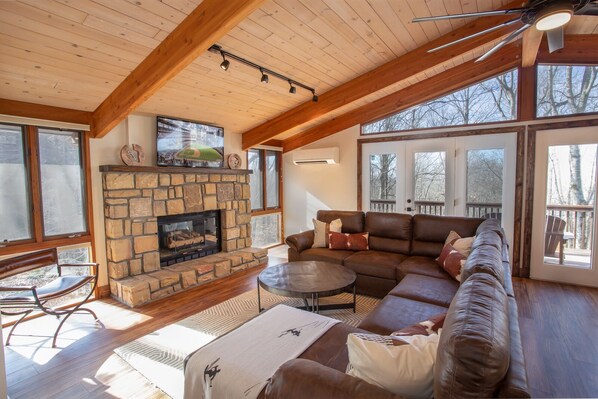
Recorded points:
188,236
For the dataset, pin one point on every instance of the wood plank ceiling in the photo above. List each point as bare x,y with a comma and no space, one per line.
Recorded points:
74,53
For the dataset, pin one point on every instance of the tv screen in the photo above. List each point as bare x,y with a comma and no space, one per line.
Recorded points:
191,144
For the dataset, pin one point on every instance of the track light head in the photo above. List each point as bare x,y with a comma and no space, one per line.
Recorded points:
292,89
264,76
225,63
314,97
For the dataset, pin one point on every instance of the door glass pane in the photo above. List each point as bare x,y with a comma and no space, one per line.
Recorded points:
383,182
14,196
265,230
256,180
429,174
570,196
62,181
484,183
272,179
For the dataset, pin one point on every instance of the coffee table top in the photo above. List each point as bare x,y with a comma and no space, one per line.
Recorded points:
302,279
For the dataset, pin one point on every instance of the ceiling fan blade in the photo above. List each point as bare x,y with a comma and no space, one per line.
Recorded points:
556,39
588,9
504,24
503,42
471,14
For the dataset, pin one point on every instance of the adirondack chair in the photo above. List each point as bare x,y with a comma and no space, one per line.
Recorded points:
555,237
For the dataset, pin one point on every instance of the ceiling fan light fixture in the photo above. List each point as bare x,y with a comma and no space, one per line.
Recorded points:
554,17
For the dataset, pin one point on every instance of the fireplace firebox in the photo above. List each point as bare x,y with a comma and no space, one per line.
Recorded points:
188,236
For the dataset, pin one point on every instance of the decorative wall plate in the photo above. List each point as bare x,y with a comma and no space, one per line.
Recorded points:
132,155
233,161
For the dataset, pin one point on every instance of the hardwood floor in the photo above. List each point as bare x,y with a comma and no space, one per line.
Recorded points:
558,324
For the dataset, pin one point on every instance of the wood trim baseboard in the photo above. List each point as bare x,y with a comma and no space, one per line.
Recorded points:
103,291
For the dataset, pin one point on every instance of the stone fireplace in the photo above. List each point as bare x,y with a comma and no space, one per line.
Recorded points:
156,244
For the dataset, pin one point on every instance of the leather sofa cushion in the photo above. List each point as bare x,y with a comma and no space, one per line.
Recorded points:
353,221
430,232
374,286
325,254
375,263
474,349
394,313
515,383
484,259
491,225
488,237
437,291
423,265
389,232
331,348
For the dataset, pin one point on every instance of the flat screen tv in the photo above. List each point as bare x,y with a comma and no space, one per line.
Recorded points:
190,144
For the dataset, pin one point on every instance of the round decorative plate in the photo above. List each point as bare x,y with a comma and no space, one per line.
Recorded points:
233,161
132,155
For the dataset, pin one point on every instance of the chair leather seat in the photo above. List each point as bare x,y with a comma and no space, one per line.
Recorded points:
56,288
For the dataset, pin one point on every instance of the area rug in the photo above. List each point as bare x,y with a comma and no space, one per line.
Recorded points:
159,356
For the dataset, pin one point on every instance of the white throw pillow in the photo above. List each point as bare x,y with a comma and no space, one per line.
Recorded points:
461,244
321,230
402,365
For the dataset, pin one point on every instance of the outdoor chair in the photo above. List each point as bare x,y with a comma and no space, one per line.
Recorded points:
556,236
23,300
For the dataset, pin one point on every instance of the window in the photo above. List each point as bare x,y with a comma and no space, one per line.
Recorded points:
46,205
493,100
485,182
566,90
383,182
266,221
14,197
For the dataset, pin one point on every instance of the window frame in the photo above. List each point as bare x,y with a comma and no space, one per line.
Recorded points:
38,240
535,98
265,210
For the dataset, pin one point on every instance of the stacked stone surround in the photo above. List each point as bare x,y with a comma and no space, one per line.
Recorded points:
133,199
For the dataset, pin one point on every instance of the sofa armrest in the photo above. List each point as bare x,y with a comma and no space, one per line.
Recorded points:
302,378
301,241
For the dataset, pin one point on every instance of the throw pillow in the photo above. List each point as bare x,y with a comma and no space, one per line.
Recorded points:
402,365
352,242
321,230
451,261
431,326
461,244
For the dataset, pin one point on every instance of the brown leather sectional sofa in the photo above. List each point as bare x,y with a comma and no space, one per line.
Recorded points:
480,352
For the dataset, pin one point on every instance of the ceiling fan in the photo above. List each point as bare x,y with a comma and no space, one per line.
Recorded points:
548,16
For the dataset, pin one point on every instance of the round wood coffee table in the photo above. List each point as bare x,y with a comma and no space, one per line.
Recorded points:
306,280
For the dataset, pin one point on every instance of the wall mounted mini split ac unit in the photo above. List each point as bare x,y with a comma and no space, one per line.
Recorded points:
316,156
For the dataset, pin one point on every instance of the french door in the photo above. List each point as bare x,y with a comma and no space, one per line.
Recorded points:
462,176
564,226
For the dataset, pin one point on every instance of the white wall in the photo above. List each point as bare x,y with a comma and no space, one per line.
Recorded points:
136,129
308,188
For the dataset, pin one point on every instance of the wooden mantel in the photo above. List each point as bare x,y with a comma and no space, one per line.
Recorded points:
173,169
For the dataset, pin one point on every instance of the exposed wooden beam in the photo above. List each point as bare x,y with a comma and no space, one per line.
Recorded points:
579,49
532,38
47,112
383,76
438,85
211,20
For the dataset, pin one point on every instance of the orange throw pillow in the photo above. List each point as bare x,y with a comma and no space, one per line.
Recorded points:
352,242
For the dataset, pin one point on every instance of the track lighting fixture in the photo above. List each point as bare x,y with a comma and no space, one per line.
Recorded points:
225,63
264,76
264,71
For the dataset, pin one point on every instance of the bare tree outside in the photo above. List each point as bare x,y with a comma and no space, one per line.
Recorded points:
492,100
